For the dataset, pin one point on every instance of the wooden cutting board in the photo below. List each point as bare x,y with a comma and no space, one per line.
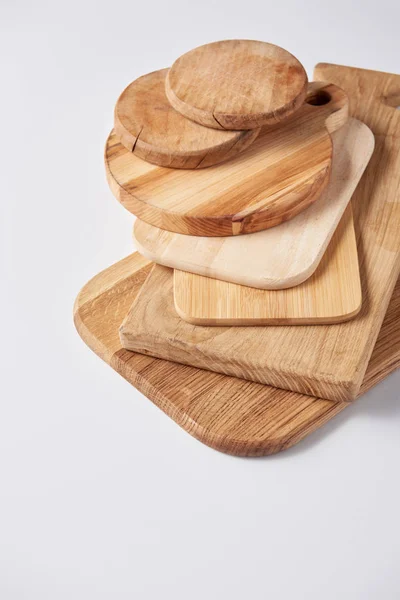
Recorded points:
237,84
331,295
280,257
231,415
324,361
148,126
283,171
171,328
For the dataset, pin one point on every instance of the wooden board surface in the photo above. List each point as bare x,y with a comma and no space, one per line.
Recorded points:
331,295
148,126
282,172
280,257
237,84
324,361
262,354
231,415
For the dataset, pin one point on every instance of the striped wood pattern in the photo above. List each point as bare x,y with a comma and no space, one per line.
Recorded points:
231,415
331,295
283,171
280,257
324,361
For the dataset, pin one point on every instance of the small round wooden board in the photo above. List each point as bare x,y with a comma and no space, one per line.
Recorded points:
283,171
148,126
237,84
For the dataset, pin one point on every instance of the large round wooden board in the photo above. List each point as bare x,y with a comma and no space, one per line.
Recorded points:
283,171
148,126
237,84
277,258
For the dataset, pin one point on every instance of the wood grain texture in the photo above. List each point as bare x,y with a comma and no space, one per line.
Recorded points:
231,415
327,361
280,257
237,84
282,172
148,126
280,356
331,295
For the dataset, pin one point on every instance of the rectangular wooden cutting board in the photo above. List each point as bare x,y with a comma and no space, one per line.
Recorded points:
282,172
331,295
231,415
325,361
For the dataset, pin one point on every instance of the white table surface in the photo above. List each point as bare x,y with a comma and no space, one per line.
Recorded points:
101,495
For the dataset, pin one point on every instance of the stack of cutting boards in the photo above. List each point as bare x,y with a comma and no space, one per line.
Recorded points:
240,173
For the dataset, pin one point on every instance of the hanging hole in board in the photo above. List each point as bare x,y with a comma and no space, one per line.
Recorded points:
392,100
319,98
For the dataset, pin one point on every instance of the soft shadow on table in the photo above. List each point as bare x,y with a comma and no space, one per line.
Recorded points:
379,403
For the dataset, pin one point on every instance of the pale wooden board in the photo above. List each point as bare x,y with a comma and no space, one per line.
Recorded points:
237,84
148,126
325,361
231,415
331,295
282,172
280,257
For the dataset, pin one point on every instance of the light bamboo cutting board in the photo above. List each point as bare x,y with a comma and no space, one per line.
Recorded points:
280,257
149,127
237,84
283,172
325,361
331,295
231,415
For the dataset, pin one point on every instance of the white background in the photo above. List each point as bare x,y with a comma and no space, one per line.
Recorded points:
101,495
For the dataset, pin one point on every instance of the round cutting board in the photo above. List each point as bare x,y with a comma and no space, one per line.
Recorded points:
280,257
237,84
283,171
148,126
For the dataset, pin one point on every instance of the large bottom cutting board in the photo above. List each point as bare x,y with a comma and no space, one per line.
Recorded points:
231,415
